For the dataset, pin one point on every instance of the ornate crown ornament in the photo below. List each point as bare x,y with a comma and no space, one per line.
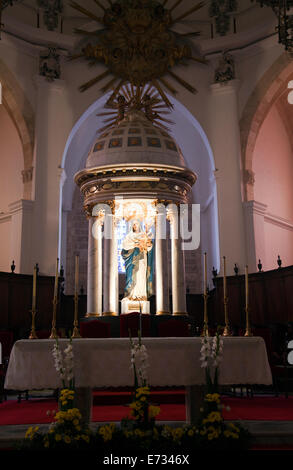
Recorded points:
137,45
131,100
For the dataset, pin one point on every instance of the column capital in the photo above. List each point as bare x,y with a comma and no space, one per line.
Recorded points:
224,88
27,175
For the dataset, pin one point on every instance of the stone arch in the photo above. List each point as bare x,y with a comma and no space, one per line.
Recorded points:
269,88
23,117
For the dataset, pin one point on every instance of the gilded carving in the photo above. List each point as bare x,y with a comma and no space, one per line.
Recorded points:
136,44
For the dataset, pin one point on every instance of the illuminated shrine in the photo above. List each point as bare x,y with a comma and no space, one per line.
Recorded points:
135,178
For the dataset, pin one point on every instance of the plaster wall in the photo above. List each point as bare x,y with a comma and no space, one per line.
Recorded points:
273,167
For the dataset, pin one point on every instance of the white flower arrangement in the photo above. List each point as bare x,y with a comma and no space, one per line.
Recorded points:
139,362
64,364
211,354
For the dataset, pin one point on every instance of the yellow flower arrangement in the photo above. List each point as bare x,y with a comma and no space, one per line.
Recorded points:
213,397
67,439
31,432
212,417
153,411
107,431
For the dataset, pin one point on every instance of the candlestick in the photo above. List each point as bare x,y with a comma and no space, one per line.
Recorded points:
76,272
225,280
53,334
34,288
56,280
205,274
33,334
248,329
226,331
76,333
205,331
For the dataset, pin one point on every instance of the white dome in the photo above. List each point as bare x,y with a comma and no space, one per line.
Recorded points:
136,141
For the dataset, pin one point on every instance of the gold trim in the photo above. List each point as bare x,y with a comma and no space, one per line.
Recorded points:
93,315
110,314
163,312
179,313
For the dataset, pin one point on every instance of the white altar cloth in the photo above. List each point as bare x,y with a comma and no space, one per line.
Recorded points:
106,362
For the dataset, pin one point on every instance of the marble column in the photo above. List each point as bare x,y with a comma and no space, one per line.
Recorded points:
94,281
224,136
111,287
177,267
54,121
162,280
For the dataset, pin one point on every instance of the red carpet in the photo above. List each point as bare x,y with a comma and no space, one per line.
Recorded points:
34,411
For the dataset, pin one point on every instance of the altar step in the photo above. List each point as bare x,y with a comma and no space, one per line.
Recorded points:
123,396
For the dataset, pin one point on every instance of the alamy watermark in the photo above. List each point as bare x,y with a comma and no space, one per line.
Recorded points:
184,220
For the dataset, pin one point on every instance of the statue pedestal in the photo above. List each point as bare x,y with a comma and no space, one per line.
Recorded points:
128,306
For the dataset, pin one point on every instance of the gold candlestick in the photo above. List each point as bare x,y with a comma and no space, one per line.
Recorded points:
248,331
205,331
53,334
227,331
76,333
33,334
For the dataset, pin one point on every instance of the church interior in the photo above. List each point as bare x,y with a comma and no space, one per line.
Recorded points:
146,222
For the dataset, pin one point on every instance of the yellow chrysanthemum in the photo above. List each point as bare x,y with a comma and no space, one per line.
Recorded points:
212,397
214,416
58,437
67,439
153,411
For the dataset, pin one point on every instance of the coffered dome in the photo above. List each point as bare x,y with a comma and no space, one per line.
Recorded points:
135,140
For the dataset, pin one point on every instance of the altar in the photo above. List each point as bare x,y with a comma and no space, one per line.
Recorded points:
102,363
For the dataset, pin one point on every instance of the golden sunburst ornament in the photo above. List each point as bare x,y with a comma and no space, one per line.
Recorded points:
144,99
137,44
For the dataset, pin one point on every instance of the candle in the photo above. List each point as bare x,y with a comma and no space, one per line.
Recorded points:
205,273
225,280
34,288
76,273
246,286
56,281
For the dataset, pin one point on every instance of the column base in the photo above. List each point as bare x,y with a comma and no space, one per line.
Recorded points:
162,312
180,313
110,314
93,315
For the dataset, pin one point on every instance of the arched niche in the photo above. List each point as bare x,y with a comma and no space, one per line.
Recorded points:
199,157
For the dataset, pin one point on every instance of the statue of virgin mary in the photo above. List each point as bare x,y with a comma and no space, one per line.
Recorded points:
137,253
